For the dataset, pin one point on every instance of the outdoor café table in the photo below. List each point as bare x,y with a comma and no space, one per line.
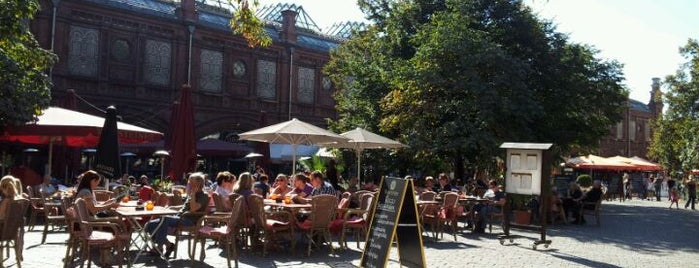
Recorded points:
132,215
292,206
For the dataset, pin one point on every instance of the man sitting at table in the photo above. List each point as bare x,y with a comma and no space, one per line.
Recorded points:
46,188
301,186
320,187
444,182
496,197
197,201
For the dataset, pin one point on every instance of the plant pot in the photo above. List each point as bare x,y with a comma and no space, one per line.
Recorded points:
522,217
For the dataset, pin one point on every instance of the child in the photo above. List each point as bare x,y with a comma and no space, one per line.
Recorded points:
674,198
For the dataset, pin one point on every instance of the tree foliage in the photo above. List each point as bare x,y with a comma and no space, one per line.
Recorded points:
244,22
454,79
24,85
675,143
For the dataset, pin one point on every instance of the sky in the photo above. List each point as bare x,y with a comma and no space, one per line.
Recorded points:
644,35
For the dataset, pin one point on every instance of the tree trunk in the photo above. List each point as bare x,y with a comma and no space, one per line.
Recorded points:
459,168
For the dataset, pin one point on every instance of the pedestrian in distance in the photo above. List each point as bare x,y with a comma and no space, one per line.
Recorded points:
674,198
691,193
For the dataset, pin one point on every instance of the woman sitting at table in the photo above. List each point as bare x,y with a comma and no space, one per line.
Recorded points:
9,194
243,186
224,183
197,201
281,185
89,180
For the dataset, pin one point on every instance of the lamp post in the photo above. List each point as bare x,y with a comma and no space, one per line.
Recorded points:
128,156
162,154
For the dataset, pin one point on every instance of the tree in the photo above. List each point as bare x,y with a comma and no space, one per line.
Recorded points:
25,87
454,79
244,22
675,143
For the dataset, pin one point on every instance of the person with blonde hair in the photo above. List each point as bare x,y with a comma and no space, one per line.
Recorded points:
244,184
9,193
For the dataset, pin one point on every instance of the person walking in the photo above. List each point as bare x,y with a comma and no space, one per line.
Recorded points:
670,186
691,193
658,184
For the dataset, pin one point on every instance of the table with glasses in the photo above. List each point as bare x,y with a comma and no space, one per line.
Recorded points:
143,239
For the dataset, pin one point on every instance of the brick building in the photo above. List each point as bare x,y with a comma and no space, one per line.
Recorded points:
632,136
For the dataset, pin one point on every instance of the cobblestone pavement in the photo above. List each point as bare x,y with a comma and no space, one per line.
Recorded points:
632,234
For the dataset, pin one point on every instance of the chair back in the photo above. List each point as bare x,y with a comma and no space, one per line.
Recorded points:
218,202
119,189
367,205
11,228
83,217
323,209
176,199
346,195
256,205
178,189
428,196
161,199
450,200
237,212
103,195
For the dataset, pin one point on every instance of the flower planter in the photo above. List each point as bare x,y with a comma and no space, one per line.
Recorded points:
522,217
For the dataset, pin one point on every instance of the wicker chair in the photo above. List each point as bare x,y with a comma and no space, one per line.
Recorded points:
358,219
445,215
268,226
187,232
92,236
11,233
37,205
55,217
103,195
428,196
219,203
591,208
318,222
222,228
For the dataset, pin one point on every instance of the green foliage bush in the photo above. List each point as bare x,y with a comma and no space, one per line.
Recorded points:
584,180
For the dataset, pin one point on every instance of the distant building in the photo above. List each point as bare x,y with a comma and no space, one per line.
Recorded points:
632,136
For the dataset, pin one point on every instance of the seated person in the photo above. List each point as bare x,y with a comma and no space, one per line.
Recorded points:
429,184
571,203
281,186
496,198
591,197
89,180
444,183
320,187
46,188
353,185
261,187
9,193
197,201
243,186
224,183
146,192
302,187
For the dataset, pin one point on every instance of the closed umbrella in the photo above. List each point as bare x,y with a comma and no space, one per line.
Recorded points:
107,158
182,143
294,132
361,139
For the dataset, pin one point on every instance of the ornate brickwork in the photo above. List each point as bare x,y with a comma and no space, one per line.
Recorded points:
306,88
83,54
211,70
266,79
156,68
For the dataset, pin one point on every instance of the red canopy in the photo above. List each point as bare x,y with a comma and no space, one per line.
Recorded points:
181,136
640,163
75,129
593,162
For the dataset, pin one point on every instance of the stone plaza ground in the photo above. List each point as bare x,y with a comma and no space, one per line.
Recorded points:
634,233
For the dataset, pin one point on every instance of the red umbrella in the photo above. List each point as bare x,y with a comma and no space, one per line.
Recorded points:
62,126
181,142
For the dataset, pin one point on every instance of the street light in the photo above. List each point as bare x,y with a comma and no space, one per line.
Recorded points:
162,154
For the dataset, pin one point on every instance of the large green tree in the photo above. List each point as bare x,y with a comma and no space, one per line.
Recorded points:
24,85
675,141
454,79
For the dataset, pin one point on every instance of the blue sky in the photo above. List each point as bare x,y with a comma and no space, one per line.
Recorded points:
644,35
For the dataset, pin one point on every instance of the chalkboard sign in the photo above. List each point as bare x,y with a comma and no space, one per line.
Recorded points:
395,215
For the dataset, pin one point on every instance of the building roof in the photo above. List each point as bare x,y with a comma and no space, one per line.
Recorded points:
217,16
638,106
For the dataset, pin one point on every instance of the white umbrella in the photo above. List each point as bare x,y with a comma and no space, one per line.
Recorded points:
294,132
361,139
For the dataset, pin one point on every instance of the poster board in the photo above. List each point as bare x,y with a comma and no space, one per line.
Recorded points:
523,174
395,216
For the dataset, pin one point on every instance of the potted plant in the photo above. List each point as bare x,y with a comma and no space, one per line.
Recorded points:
521,209
584,180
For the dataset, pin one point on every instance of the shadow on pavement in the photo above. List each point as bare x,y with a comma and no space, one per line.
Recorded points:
581,261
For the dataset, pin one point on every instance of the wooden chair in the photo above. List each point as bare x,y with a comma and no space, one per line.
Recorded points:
74,235
358,220
495,215
222,228
55,217
103,195
428,196
591,208
12,233
92,237
219,203
178,188
187,232
318,222
268,226
445,215
176,199
342,206
37,206
161,199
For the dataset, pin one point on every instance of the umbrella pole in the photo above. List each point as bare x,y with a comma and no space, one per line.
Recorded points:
359,165
47,172
293,164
